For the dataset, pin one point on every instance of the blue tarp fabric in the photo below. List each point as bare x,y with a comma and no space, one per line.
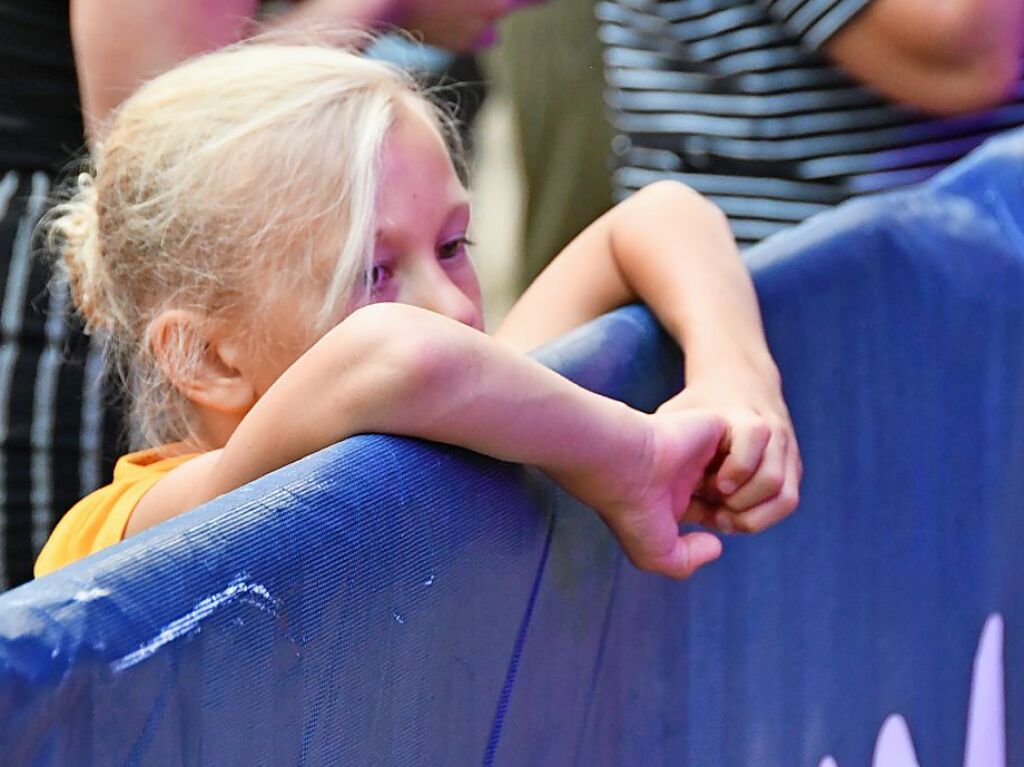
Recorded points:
388,601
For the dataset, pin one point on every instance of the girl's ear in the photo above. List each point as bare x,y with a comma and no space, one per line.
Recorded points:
201,361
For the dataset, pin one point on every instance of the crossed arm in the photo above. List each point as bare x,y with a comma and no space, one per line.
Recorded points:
672,249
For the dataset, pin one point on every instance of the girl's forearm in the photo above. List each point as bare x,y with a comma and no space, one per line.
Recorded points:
399,370
676,252
470,391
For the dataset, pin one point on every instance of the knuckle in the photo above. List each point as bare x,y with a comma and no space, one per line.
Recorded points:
789,499
760,431
773,480
744,525
739,468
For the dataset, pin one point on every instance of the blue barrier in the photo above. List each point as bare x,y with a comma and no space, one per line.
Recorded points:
388,601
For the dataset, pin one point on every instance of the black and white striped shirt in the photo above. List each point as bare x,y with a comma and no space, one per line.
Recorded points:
734,98
59,433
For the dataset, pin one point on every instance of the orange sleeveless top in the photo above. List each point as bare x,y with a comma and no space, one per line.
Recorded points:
99,519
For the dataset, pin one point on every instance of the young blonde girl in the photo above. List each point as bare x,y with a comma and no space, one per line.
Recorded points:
274,242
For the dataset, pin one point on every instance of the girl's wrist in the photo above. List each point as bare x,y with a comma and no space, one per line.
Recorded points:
721,335
632,439
728,358
608,462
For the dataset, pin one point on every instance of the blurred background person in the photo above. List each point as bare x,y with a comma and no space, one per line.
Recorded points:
60,429
55,428
112,61
776,109
779,109
548,68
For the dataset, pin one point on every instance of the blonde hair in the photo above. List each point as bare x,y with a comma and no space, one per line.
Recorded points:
226,176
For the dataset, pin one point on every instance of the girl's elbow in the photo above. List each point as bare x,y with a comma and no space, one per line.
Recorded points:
677,197
403,342
669,192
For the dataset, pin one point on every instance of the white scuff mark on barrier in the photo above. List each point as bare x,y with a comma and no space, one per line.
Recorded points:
88,595
986,714
190,621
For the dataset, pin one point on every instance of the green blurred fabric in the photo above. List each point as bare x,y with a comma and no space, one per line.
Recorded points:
549,63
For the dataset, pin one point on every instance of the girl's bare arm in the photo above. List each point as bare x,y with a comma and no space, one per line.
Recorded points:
672,249
396,369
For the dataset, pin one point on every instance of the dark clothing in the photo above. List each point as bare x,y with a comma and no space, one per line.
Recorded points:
57,437
40,119
53,433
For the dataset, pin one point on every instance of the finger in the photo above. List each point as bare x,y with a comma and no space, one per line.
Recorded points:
746,444
691,552
653,543
680,401
699,512
767,480
707,491
704,433
779,507
725,520
697,437
711,515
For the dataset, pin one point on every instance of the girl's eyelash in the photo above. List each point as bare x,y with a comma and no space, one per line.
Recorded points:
377,274
454,245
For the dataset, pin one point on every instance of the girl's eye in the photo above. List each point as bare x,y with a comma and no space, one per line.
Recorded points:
453,248
379,276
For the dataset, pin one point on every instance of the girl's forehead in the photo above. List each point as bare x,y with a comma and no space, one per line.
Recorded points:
417,173
414,144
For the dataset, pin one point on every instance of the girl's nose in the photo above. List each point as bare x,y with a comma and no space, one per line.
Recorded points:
439,294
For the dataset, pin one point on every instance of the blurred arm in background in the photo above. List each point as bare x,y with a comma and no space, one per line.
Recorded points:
941,56
121,43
